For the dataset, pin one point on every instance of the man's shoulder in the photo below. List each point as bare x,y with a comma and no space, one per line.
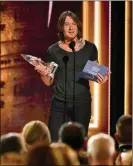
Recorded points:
53,47
124,147
89,43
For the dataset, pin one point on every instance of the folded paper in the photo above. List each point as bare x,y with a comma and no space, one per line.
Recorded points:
91,70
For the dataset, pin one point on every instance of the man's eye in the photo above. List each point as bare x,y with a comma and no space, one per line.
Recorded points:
74,23
66,24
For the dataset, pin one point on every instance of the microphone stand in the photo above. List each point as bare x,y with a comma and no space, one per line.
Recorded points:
65,60
72,45
73,118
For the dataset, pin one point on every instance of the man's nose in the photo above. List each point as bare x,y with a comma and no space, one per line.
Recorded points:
70,26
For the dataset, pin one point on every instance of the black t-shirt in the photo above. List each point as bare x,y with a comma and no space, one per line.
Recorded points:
82,89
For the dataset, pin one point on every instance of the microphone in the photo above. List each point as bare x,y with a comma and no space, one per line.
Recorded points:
65,59
72,45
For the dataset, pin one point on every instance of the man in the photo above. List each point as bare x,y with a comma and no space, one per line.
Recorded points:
73,134
68,104
101,150
123,137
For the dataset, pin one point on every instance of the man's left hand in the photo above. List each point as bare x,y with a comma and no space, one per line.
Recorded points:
102,79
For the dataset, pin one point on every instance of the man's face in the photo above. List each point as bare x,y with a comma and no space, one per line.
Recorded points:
70,29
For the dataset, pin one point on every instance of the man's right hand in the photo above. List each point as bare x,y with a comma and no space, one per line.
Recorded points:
44,70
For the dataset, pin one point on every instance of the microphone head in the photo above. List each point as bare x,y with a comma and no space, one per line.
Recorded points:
65,59
72,45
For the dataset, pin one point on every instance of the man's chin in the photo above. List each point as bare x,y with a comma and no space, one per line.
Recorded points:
72,37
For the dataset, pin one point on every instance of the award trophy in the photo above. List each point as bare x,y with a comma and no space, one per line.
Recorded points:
36,61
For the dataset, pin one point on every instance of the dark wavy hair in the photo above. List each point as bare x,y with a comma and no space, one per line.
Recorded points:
124,128
61,22
72,135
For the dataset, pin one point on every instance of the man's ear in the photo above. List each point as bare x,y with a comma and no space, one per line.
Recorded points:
116,136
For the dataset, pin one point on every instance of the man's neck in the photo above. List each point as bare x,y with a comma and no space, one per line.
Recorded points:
68,41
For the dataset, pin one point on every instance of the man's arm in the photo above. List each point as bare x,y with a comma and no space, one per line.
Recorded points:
44,73
48,80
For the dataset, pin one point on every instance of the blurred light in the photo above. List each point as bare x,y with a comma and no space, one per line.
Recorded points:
49,12
96,86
